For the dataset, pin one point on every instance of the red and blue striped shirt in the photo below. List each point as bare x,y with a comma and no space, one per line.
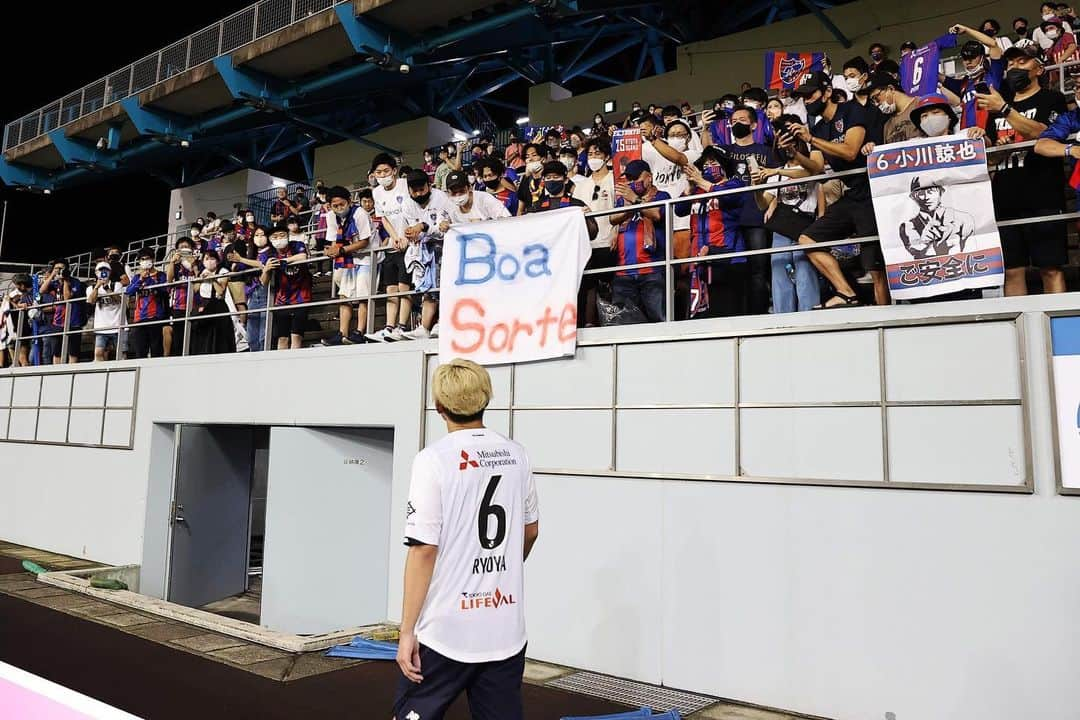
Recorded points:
150,300
638,231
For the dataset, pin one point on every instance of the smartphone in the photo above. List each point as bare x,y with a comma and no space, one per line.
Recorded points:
752,163
982,88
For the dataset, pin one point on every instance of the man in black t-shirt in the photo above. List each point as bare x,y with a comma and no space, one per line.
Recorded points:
1026,184
744,128
840,135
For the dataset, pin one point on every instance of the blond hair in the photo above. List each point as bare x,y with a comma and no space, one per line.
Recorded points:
462,388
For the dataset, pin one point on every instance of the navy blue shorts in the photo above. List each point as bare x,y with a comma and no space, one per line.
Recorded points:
493,688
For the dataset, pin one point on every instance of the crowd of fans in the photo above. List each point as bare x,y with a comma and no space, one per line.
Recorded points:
385,235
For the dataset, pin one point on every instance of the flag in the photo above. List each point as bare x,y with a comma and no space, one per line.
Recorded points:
784,69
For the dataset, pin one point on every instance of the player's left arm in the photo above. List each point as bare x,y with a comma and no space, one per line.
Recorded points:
532,514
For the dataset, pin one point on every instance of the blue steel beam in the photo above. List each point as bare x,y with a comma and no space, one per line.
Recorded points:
113,140
601,78
308,158
824,19
490,87
612,51
15,174
460,84
642,57
656,51
244,84
585,46
75,152
289,151
503,104
367,37
273,143
154,122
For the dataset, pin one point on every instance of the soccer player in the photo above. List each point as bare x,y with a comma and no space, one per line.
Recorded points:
471,521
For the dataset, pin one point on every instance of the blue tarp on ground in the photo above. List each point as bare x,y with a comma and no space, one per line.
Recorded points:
364,649
644,712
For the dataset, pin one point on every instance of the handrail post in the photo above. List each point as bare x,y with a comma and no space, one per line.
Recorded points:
18,337
121,329
66,327
187,319
669,271
267,324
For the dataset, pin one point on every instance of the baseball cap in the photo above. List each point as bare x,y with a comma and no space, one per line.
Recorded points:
634,168
972,49
877,81
1023,49
456,180
637,116
811,83
907,45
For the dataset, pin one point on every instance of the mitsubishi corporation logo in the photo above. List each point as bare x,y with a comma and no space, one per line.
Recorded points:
466,462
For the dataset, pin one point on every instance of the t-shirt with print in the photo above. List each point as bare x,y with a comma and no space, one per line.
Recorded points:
802,197
1021,179
669,177
107,308
847,116
390,205
485,206
471,494
765,156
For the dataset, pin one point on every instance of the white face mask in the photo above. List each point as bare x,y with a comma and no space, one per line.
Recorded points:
1052,34
852,84
472,179
534,167
388,181
787,101
677,143
279,243
146,264
886,108
260,241
1047,18
249,218
975,72
187,263
935,125
460,200
752,104
596,163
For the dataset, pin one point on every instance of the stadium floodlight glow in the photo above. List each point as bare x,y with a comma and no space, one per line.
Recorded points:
609,106
185,143
523,120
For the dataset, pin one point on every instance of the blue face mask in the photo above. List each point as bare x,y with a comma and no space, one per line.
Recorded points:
711,173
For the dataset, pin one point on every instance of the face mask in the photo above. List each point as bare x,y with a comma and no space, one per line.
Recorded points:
279,243
990,31
249,218
815,108
1048,17
210,264
114,257
877,55
187,263
886,108
596,163
460,200
1052,34
787,101
1021,30
472,179
727,106
534,167
1018,79
934,125
388,181
146,264
752,104
677,143
740,130
568,162
260,241
492,184
853,84
711,173
422,199
975,73
554,187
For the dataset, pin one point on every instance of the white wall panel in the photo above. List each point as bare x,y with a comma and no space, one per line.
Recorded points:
55,390
565,439
27,390
85,427
52,426
974,361
968,444
122,389
821,367
582,380
89,390
677,373
23,425
435,426
821,443
689,442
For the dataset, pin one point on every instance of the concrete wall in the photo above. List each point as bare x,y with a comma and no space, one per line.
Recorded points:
348,163
844,602
218,195
708,69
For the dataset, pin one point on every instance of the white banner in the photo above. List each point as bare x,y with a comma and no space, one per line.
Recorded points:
508,288
935,216
1065,340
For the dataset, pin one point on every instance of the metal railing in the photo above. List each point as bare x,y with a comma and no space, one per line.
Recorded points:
669,263
225,36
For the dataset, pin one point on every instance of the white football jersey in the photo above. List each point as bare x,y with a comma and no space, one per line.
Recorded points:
471,494
390,204
485,206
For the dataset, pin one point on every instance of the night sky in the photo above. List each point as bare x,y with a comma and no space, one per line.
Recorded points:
88,40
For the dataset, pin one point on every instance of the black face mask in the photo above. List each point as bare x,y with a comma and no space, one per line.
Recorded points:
554,187
815,108
422,199
740,130
1018,79
1021,30
493,184
990,31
